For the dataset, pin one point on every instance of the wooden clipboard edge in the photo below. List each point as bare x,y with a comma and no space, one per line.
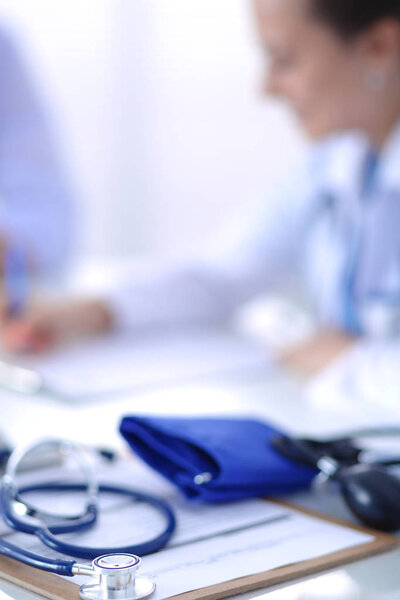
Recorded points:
57,588
382,542
42,583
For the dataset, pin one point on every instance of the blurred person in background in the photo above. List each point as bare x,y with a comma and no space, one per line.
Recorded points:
35,205
335,224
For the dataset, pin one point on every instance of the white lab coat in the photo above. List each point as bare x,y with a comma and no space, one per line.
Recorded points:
35,204
307,228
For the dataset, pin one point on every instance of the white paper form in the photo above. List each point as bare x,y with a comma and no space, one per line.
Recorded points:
243,538
253,550
121,362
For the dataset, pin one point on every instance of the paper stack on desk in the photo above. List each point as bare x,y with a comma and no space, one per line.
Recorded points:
122,362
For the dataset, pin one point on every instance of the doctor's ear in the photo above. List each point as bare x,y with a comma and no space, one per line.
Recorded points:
381,45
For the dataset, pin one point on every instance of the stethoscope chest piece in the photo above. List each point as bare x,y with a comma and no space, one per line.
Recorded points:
117,579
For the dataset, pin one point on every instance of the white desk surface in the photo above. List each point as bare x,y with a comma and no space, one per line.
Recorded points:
274,397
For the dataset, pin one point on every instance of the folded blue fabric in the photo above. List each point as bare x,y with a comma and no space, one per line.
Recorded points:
215,459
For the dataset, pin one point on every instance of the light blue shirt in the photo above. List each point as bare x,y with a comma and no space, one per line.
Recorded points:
35,204
334,225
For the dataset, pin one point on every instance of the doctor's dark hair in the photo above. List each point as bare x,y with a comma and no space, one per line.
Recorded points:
351,17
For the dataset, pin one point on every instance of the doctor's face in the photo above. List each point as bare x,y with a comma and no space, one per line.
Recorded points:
310,66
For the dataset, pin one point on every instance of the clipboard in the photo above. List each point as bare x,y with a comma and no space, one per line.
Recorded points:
58,588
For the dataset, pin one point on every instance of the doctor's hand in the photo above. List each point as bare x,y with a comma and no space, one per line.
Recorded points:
47,324
314,355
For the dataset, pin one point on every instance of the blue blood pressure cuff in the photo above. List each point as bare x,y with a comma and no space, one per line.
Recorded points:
215,459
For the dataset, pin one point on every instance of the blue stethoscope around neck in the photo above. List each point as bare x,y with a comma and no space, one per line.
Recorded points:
113,567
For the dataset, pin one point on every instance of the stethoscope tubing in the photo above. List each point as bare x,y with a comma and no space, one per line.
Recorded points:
7,497
299,449
48,535
58,566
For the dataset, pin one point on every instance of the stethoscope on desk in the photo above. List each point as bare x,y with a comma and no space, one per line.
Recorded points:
114,568
369,487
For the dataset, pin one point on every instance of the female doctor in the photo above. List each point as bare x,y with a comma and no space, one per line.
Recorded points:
35,199
336,224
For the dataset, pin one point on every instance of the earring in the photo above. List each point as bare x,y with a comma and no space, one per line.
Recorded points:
375,80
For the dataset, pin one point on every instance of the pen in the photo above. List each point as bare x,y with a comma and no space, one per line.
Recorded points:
16,284
5,452
16,280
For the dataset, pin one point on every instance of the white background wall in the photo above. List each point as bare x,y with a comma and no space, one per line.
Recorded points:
158,109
